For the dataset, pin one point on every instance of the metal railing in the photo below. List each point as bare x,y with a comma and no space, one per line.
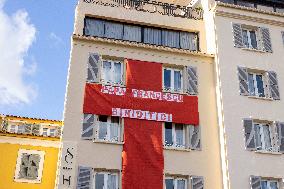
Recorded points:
153,7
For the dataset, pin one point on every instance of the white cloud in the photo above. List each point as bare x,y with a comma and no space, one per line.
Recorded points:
16,37
56,41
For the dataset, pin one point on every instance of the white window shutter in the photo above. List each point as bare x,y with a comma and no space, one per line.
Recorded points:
28,128
85,178
94,68
89,125
197,182
255,182
273,85
280,134
249,134
238,36
266,40
194,137
36,129
243,81
191,80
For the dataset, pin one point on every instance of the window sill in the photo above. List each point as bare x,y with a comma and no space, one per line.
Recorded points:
268,152
108,142
27,181
261,98
113,85
176,92
254,50
177,149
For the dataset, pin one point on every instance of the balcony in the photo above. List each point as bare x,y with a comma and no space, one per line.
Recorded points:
153,7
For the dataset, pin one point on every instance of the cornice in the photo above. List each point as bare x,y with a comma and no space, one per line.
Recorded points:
139,45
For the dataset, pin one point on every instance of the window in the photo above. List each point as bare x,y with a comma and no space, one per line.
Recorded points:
13,128
256,84
249,38
264,183
174,135
21,129
105,180
109,128
175,183
173,80
45,132
52,132
245,3
29,166
269,184
263,136
112,72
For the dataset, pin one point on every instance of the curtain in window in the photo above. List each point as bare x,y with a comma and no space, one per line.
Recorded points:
152,36
267,139
260,87
179,135
257,136
273,185
245,38
167,79
132,33
253,39
169,184
114,131
168,134
111,182
251,84
106,71
99,179
103,130
188,41
94,27
117,73
113,30
170,38
177,80
180,184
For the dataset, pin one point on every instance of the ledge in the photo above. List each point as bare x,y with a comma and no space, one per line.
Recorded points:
255,50
261,98
107,142
267,152
139,45
177,149
29,136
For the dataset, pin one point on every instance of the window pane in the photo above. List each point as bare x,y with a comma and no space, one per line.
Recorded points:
260,87
103,130
21,129
253,39
44,132
264,185
99,179
251,84
111,182
52,132
273,185
245,3
169,184
245,38
114,127
107,71
267,140
179,135
257,136
177,80
167,79
168,134
13,128
117,73
181,184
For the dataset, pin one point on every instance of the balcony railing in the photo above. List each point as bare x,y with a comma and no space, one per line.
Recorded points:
153,7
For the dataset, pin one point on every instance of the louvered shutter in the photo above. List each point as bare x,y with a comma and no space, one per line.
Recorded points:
273,85
132,33
28,128
34,160
59,131
84,180
194,137
94,68
113,30
243,81
89,126
255,182
4,126
197,182
152,36
170,38
280,134
191,80
238,36
94,27
188,41
266,40
249,134
36,129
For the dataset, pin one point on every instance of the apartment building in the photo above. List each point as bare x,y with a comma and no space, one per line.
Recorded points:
247,40
29,152
140,107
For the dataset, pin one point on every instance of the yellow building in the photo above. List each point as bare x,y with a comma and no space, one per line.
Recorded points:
29,152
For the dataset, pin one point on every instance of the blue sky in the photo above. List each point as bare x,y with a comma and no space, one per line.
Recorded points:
36,44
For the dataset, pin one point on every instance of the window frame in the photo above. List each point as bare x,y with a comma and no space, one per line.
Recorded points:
174,146
122,83
106,173
248,33
120,127
262,137
270,181
255,84
48,127
19,162
175,180
172,90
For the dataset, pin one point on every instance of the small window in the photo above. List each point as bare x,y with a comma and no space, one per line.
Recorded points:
173,80
13,128
21,129
103,180
112,72
52,132
29,166
263,136
256,83
269,184
45,132
174,135
175,183
109,128
250,38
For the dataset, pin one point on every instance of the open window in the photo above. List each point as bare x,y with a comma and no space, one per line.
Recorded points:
264,183
112,72
172,182
173,79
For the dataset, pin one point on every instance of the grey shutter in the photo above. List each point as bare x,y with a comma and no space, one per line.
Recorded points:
266,40
188,41
4,126
249,134
170,38
113,30
194,137
36,129
89,125
280,133
243,81
94,27
84,178
197,182
273,85
132,33
94,68
255,182
152,36
59,131
191,80
238,36
28,128
33,169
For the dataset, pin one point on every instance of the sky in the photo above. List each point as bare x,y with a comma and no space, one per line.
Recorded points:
34,55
